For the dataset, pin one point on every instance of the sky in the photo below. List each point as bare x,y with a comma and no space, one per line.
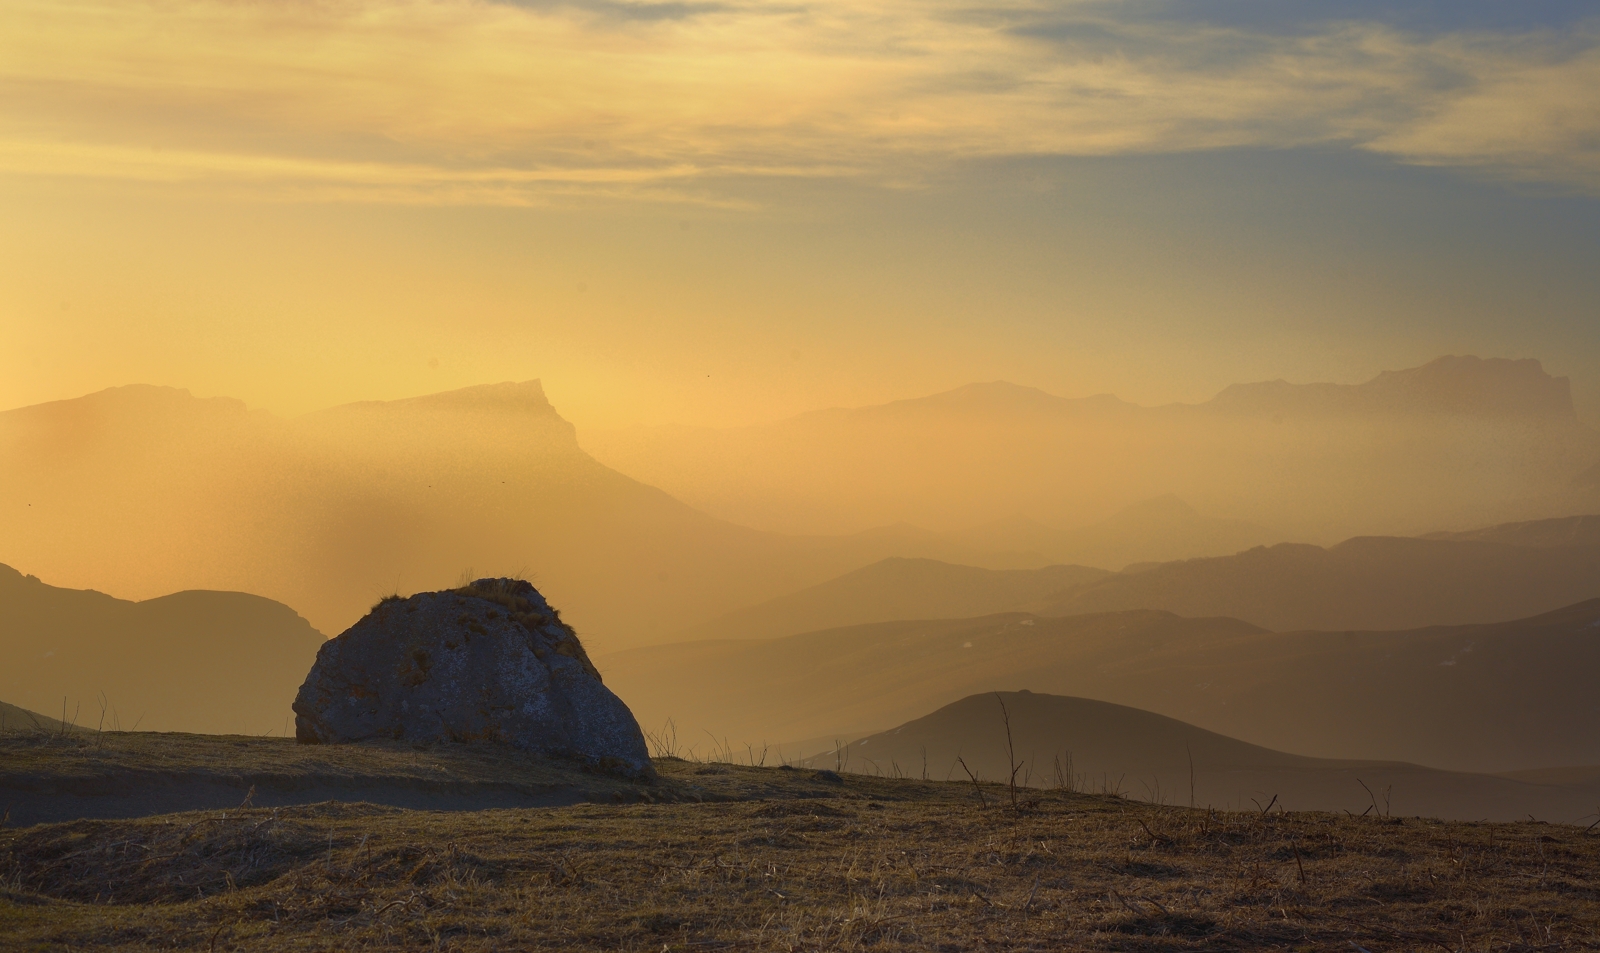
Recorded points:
727,212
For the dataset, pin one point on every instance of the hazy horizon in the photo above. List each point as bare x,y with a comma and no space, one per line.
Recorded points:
723,214
825,365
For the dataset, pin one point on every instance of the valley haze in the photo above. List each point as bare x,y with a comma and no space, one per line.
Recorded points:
144,490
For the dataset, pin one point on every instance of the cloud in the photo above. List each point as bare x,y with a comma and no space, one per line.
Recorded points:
1528,117
509,103
613,9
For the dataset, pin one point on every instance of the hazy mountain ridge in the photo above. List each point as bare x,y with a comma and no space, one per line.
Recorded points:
1493,574
1491,697
1562,531
895,589
144,490
1451,385
1152,757
190,661
1374,582
1162,529
1459,440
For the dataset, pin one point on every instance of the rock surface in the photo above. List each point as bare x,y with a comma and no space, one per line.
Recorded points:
487,662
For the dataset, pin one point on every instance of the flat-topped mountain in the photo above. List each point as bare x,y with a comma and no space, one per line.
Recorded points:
222,662
1457,386
144,490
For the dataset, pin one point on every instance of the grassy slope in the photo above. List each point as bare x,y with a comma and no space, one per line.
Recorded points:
784,860
49,777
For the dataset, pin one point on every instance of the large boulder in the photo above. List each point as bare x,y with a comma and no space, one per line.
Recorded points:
487,662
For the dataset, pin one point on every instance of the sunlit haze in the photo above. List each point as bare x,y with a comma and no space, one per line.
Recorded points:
1059,474
730,213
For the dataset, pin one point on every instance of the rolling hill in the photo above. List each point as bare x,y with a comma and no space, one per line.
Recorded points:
1095,746
1493,697
221,662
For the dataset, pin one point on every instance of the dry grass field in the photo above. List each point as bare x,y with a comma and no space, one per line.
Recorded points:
718,856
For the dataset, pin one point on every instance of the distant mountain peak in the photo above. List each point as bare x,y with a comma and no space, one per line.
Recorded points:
504,397
138,398
1459,385
987,397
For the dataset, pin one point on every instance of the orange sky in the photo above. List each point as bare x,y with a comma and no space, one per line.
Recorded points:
722,213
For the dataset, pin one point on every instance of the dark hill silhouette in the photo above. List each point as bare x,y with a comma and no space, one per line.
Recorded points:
1375,582
1496,697
1458,441
224,662
1150,757
896,588
144,490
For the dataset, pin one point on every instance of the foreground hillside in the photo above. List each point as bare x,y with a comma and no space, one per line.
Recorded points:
1499,697
190,661
785,859
50,777
1096,746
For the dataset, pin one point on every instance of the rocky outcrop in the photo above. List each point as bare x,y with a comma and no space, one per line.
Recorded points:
488,662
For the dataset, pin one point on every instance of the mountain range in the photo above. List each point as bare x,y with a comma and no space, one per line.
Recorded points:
142,491
146,490
1493,574
1490,697
1458,441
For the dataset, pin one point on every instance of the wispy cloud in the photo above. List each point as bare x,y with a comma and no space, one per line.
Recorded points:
513,102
